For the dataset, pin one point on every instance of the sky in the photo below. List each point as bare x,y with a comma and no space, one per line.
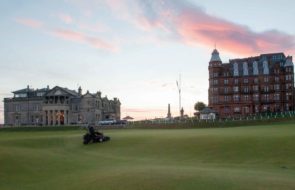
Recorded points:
133,49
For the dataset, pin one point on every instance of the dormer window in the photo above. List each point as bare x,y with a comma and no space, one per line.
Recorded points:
265,68
255,68
236,69
245,69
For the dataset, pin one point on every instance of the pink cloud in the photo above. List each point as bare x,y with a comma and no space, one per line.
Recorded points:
189,24
143,113
229,36
142,110
97,27
65,18
71,35
85,39
32,23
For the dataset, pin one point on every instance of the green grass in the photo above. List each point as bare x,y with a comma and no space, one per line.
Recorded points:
253,157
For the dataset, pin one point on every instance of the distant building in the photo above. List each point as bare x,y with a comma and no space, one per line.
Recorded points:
251,85
58,106
207,114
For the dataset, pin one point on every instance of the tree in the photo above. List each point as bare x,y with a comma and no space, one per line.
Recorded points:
199,106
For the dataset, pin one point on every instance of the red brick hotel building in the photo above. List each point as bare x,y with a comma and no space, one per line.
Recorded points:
251,85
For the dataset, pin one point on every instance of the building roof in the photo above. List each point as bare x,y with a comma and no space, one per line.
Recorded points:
215,56
61,91
128,118
25,90
288,62
207,111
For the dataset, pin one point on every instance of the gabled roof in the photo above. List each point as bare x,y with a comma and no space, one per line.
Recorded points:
25,90
61,91
88,94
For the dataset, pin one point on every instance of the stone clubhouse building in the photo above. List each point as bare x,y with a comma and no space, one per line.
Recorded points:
252,85
58,106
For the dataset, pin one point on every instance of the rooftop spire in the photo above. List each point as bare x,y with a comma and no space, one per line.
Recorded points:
215,55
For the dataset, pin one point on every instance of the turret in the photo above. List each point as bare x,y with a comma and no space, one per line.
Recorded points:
215,59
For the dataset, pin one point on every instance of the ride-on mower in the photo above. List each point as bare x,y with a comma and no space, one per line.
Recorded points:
94,136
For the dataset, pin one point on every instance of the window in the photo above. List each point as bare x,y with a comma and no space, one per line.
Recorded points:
255,68
225,81
276,97
256,97
288,96
17,107
215,99
287,107
236,98
40,93
236,109
246,81
226,98
215,90
265,68
277,79
256,80
236,81
236,69
226,90
256,108
245,69
277,87
215,74
226,74
265,89
255,88
236,89
246,97
266,97
288,77
265,107
215,82
21,95
265,79
288,86
246,89
226,110
246,109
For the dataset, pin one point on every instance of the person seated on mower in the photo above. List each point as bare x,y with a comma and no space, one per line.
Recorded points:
94,134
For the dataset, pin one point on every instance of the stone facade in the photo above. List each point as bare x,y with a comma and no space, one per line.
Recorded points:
58,106
251,85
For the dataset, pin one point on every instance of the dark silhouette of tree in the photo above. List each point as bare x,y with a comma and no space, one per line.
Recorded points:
199,106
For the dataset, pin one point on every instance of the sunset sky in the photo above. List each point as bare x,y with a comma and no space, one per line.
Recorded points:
135,49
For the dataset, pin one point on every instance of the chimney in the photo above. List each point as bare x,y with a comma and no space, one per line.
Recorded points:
80,90
98,93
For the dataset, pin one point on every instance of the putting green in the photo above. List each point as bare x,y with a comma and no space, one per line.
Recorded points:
255,157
